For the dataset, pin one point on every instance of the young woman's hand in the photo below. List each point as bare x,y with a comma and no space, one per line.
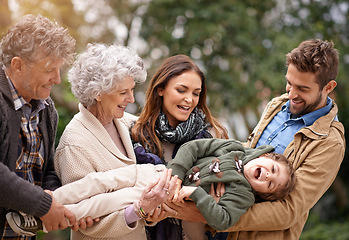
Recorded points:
184,193
178,188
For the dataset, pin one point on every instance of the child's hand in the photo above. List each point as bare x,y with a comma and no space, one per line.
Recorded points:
185,192
178,188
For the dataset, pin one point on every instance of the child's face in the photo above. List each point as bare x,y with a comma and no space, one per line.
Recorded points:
266,175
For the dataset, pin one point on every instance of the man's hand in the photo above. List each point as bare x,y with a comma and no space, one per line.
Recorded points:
218,192
185,211
158,214
56,218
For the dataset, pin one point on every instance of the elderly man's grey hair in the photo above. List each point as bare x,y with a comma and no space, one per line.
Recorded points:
100,68
35,37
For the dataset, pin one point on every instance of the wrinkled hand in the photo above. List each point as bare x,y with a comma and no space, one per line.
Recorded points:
56,218
158,192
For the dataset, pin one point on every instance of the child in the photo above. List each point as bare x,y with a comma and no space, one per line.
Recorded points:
245,172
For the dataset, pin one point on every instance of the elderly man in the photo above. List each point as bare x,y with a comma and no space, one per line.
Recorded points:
31,55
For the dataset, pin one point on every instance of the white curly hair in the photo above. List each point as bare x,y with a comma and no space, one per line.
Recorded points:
100,68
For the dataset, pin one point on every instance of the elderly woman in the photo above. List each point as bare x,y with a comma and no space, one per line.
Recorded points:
97,138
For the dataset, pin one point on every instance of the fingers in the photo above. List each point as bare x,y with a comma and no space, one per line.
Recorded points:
220,189
75,227
173,188
150,186
181,196
158,215
168,178
212,190
70,216
171,211
55,218
89,222
82,223
162,216
186,211
164,182
215,193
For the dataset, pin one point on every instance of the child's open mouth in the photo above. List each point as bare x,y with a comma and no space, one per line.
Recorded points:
258,173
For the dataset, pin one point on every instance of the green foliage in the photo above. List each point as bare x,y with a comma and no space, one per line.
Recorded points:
240,45
319,230
226,37
64,118
56,235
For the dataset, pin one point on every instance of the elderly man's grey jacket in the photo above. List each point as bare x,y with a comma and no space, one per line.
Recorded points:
15,192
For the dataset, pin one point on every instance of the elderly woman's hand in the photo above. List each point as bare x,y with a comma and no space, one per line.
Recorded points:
158,192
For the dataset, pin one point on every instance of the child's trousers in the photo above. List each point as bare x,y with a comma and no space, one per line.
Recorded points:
101,193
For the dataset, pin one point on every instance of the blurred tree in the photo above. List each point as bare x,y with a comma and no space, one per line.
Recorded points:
5,16
240,45
228,39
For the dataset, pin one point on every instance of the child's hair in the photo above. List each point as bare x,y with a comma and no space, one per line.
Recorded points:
281,192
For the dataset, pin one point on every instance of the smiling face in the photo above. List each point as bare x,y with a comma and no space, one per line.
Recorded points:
35,80
180,97
266,175
112,105
303,92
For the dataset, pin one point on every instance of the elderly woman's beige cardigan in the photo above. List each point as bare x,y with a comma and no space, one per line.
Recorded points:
85,147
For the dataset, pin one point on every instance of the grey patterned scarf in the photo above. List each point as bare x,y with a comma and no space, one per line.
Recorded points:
185,131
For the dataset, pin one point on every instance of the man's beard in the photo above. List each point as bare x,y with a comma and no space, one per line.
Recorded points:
307,108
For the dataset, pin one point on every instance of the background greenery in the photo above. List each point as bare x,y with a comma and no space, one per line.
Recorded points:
239,44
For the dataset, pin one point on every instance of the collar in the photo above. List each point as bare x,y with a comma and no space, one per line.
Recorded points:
19,101
311,117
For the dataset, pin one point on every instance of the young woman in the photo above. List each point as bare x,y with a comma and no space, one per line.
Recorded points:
175,112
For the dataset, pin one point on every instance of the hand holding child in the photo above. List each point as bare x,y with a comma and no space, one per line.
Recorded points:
178,188
184,194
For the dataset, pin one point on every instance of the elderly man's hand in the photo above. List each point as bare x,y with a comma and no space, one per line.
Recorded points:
58,216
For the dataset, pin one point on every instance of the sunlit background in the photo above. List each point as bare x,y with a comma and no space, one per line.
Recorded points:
240,46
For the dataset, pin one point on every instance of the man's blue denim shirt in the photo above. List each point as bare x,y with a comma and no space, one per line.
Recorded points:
280,131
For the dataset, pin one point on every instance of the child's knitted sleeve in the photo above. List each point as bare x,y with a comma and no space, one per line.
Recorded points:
224,214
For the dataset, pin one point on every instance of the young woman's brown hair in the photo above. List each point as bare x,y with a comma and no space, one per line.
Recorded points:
144,130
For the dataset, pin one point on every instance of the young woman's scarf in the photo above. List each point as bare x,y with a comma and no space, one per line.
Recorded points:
195,127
